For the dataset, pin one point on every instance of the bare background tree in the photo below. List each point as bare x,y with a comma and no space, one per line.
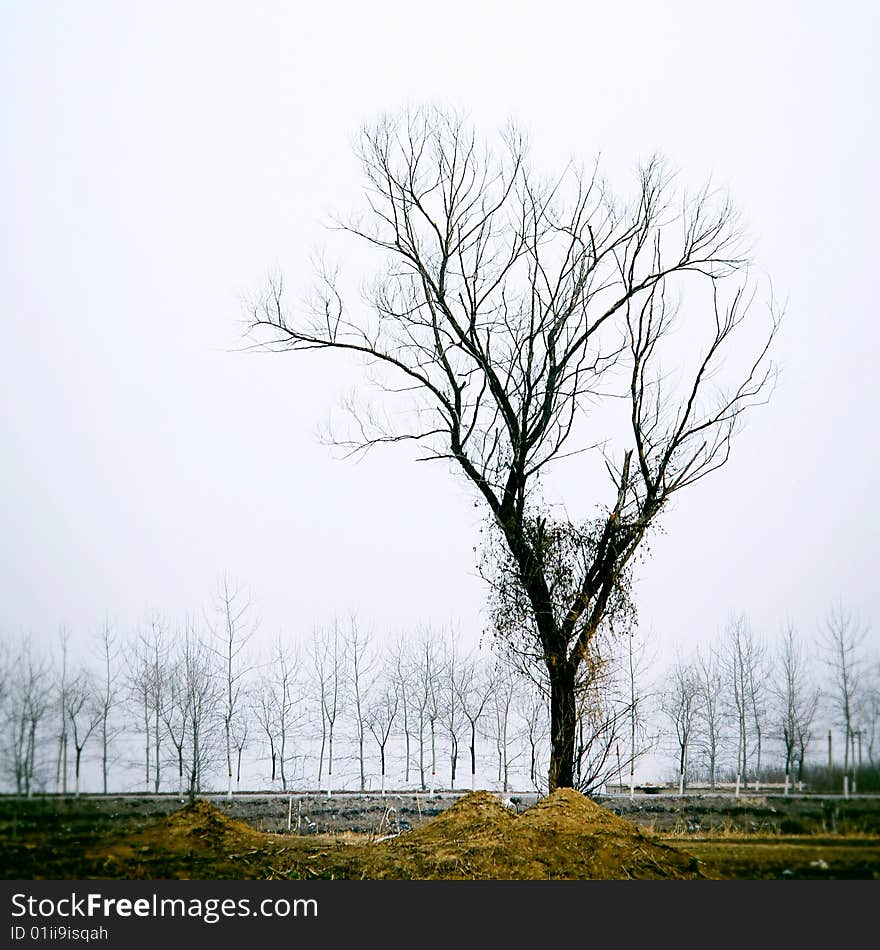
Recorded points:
361,676
202,695
381,716
742,659
515,315
231,637
427,665
328,667
474,686
62,680
176,710
871,713
532,711
710,734
681,704
109,698
277,707
502,702
607,717
147,678
842,644
404,673
450,704
796,703
83,710
28,697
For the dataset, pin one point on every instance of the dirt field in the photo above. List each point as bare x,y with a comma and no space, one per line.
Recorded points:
476,836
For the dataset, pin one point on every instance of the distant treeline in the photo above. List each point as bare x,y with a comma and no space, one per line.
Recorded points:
188,708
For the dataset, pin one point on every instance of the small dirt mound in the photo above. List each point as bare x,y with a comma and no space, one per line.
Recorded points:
477,814
186,844
564,836
205,821
568,810
573,837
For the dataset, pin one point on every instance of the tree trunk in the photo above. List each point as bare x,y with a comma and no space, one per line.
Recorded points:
453,758
104,760
406,739
433,759
330,761
422,755
563,719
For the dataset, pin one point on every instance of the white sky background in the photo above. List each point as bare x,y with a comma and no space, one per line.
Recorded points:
158,159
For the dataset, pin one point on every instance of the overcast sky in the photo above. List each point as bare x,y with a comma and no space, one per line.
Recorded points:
159,159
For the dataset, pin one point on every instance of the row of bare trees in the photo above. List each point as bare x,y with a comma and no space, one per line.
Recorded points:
200,704
423,701
736,698
179,707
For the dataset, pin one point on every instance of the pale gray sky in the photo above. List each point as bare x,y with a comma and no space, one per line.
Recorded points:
159,158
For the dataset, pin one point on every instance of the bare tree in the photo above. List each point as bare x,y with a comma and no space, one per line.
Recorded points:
137,678
450,704
870,710
404,673
502,703
531,707
796,703
62,679
231,637
510,308
29,696
757,685
176,709
263,705
83,709
280,707
426,678
473,685
108,647
6,713
842,642
743,658
202,696
604,718
240,730
641,741
146,678
191,701
710,734
380,720
681,704
328,667
361,673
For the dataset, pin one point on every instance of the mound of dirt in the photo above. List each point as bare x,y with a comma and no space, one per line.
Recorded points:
203,820
564,836
198,841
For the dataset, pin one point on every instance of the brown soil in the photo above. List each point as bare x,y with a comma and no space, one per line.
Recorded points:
564,836
198,840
